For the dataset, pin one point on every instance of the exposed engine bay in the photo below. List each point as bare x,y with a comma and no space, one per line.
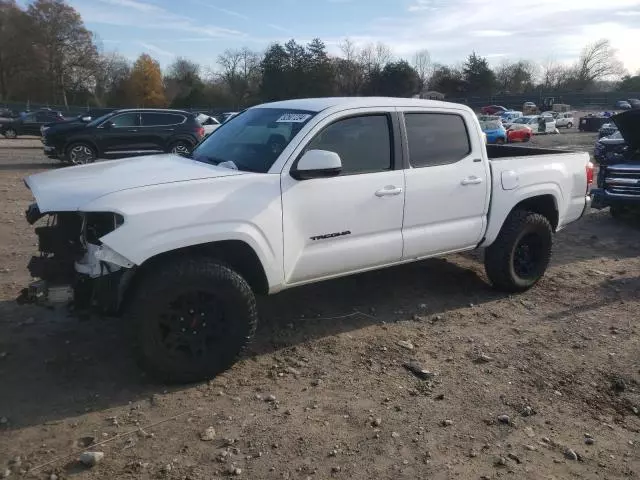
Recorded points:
73,266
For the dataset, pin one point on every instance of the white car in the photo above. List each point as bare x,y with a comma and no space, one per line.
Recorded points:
209,123
295,192
565,120
532,121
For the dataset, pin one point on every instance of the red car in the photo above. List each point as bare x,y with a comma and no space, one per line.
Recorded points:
493,110
519,133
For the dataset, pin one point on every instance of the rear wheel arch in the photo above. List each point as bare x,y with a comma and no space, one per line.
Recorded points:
546,205
180,138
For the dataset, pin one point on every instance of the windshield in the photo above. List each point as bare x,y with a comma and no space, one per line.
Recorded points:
95,122
491,125
521,120
254,139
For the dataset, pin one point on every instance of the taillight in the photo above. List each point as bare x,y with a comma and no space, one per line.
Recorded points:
200,131
590,169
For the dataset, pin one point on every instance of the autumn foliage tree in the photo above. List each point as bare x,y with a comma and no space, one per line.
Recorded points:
146,82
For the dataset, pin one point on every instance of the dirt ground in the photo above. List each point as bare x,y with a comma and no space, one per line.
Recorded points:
542,385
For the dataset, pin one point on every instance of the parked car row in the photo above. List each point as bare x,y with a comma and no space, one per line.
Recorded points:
629,104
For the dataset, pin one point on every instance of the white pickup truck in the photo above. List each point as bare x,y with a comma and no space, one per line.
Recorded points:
286,194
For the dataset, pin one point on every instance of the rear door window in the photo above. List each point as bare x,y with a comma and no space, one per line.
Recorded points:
158,119
436,139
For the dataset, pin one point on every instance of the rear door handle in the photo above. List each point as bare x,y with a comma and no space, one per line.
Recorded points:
471,181
389,190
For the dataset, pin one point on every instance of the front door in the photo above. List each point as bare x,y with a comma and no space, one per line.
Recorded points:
124,133
353,221
447,183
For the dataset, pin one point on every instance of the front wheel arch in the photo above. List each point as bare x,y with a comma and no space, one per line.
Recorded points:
237,254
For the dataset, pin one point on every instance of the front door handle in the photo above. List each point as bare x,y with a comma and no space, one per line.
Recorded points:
389,190
471,181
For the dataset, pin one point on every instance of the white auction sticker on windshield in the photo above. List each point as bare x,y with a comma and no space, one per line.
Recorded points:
294,118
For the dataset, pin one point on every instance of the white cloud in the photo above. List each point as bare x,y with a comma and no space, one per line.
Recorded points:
139,14
491,33
151,48
226,11
451,29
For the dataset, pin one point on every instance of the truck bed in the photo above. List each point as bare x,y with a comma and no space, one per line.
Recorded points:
516,171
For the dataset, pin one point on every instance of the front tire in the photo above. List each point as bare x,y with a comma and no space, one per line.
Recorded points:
519,257
569,125
80,154
192,319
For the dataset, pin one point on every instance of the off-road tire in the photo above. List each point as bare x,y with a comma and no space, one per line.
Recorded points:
519,228
155,295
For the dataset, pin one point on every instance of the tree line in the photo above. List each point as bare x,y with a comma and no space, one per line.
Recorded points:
47,55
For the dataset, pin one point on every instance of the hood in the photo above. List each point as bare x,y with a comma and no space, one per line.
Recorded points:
68,189
629,125
65,126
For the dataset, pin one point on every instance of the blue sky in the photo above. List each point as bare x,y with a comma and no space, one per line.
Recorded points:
539,30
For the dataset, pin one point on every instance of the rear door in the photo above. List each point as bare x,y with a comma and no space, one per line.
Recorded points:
447,182
157,129
124,134
353,221
30,124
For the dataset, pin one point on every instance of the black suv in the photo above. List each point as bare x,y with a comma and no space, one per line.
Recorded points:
123,131
29,123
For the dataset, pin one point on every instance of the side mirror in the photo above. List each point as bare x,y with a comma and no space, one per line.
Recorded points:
317,164
107,125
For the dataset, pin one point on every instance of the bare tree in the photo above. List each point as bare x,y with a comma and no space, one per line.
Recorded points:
348,49
240,71
422,65
111,77
515,77
374,57
597,61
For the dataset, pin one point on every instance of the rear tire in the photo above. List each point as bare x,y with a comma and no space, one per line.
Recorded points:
519,257
500,141
181,147
569,125
10,133
192,319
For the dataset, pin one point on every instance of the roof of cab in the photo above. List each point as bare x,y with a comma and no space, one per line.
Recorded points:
319,104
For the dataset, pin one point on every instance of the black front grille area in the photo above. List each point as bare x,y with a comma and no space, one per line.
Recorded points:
623,180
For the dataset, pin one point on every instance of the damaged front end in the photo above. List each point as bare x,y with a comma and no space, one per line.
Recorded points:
73,267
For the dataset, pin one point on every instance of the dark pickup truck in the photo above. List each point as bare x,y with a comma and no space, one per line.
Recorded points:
619,174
